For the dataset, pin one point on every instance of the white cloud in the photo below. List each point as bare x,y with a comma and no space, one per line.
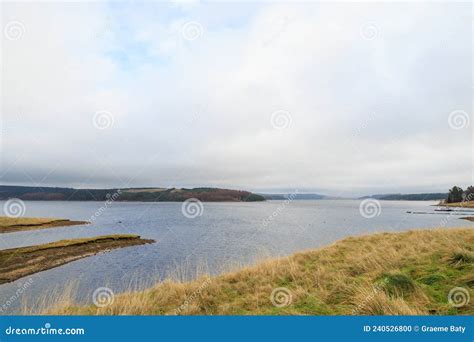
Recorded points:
366,114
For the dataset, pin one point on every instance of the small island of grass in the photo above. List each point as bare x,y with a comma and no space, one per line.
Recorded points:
18,224
16,263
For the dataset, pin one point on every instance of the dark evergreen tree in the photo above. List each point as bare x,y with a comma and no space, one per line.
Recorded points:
469,193
455,195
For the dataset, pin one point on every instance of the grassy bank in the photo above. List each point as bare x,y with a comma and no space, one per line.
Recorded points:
381,274
16,263
13,224
467,204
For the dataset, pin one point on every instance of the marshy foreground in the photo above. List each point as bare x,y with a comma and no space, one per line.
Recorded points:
424,272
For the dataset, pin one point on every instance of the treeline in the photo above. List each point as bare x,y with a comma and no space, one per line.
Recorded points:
457,194
413,197
180,195
437,196
128,194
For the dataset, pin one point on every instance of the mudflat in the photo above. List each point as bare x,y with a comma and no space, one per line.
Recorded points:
16,263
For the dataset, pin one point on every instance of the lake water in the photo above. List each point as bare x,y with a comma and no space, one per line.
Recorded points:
225,234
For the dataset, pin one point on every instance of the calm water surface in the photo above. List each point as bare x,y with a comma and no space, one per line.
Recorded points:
225,234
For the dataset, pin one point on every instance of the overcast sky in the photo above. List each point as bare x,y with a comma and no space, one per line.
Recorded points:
344,99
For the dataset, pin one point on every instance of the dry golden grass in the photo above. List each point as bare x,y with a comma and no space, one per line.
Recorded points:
15,221
408,273
16,224
467,204
72,242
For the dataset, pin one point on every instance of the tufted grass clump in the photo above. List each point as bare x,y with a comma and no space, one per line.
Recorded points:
396,284
461,257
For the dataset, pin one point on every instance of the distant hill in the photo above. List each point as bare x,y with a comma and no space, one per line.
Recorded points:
126,194
294,196
409,197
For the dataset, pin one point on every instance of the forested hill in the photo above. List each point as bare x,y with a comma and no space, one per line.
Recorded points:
127,194
410,197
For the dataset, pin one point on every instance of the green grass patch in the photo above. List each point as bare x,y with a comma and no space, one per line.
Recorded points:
396,284
310,305
433,279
